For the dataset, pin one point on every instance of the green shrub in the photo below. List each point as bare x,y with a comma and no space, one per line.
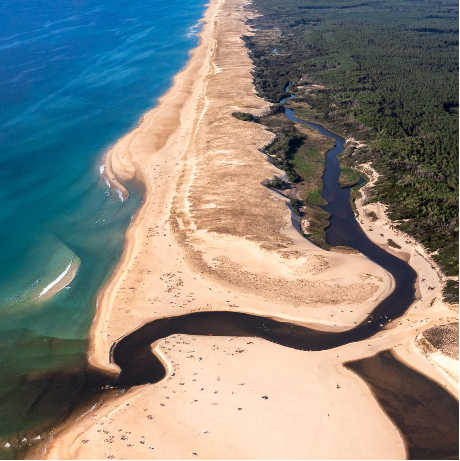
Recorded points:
296,205
245,117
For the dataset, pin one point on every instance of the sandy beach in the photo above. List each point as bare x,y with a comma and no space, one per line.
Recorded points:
209,236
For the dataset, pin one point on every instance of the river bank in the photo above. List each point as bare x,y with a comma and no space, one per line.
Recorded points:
430,283
208,237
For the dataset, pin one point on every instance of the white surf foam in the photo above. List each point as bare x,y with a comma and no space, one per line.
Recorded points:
194,29
56,281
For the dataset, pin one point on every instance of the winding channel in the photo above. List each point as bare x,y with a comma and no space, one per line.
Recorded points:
343,230
414,403
429,403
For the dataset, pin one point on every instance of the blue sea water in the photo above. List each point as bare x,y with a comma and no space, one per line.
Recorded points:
74,77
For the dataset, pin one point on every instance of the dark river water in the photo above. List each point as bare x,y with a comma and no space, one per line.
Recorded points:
417,411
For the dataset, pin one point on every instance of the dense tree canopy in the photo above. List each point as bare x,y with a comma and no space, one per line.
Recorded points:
388,71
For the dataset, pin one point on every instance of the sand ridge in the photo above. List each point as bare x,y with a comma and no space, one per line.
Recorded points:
209,236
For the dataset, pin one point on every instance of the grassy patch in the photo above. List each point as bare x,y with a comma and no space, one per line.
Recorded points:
303,167
314,198
349,177
318,220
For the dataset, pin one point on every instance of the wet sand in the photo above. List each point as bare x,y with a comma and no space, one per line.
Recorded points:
209,236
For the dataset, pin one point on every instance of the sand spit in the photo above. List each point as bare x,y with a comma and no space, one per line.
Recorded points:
209,236
61,281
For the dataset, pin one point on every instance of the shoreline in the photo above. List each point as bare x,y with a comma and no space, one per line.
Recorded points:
126,174
187,250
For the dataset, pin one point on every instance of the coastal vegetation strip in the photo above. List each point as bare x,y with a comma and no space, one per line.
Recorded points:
299,151
385,73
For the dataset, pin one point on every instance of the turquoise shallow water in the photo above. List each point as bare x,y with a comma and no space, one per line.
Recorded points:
74,77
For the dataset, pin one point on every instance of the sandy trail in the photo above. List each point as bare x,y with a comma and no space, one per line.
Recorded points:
209,236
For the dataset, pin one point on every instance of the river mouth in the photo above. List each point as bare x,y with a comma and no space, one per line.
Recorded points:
139,365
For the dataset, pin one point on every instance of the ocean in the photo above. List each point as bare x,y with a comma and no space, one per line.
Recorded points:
74,77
